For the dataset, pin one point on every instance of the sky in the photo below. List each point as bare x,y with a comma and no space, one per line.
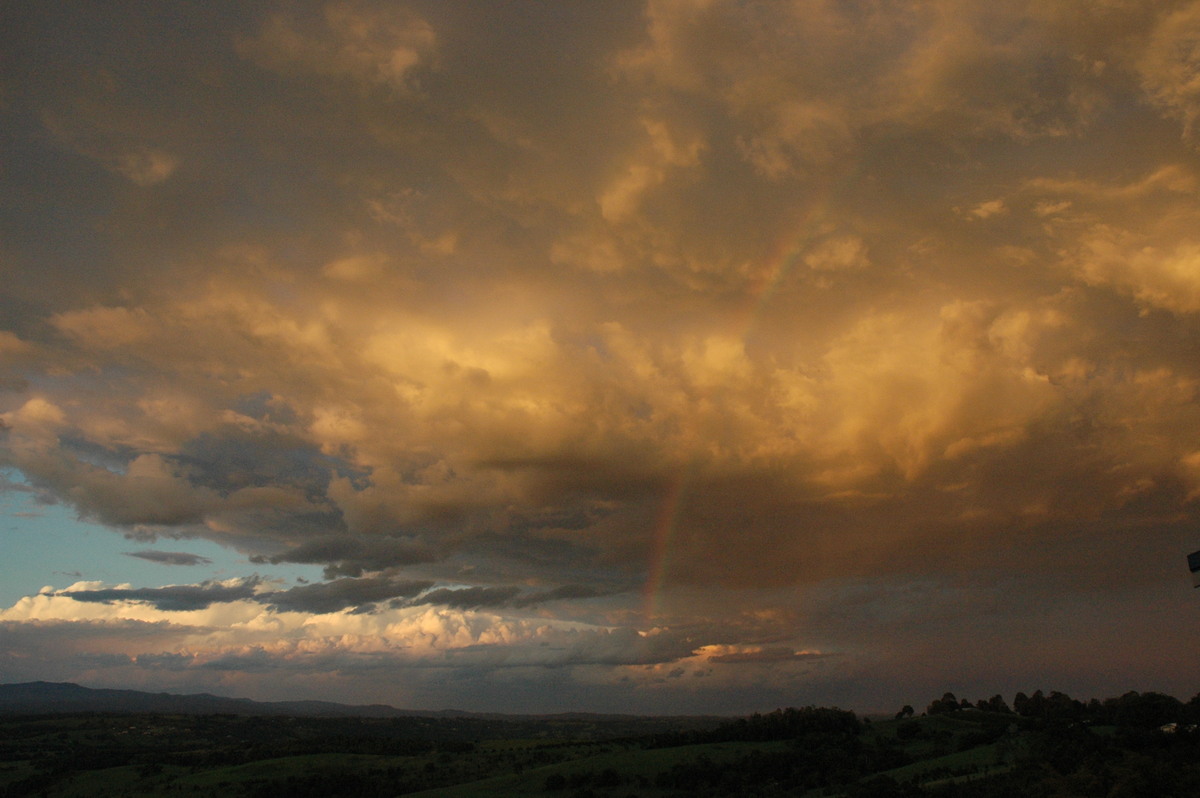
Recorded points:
646,357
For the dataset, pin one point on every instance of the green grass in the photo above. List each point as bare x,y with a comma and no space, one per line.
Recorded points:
284,767
983,756
135,780
496,767
493,769
630,764
14,771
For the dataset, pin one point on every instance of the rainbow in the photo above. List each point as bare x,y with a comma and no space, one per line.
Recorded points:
664,531
780,263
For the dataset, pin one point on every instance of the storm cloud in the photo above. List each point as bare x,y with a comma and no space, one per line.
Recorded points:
179,598
754,331
469,598
351,556
342,593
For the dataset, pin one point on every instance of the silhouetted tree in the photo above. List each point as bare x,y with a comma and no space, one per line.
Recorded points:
993,704
1033,706
947,703
1147,710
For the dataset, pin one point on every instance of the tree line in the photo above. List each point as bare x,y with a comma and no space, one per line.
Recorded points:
1132,709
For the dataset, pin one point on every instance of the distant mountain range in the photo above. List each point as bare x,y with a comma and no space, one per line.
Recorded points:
64,698
44,698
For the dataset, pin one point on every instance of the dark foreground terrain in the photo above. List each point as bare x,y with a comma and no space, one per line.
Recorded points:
1135,746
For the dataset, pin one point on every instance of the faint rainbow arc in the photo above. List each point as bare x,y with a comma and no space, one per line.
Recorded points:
664,528
781,262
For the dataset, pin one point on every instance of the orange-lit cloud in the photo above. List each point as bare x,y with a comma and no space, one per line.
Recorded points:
746,305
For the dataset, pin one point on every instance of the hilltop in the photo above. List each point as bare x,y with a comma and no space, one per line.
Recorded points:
1134,745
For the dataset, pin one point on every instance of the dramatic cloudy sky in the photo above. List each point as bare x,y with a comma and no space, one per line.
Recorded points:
648,356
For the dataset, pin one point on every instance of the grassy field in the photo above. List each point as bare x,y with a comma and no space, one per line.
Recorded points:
636,770
824,753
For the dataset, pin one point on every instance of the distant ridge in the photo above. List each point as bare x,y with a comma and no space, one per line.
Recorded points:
65,698
57,698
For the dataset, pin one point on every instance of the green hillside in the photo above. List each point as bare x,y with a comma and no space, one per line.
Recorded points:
1135,745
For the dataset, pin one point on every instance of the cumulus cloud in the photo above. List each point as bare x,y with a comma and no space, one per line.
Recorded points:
306,634
514,320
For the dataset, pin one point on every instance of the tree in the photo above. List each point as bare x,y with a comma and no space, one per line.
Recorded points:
947,703
1034,706
905,712
993,704
1147,710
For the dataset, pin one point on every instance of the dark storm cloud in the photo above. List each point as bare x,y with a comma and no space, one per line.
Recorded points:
351,556
343,593
579,647
175,598
766,655
468,598
558,594
733,301
361,593
266,454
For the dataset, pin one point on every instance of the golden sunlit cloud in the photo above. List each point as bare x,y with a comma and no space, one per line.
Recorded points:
649,331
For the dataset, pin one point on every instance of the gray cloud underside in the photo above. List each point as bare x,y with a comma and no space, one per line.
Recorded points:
558,593
343,593
530,313
172,597
351,556
766,655
362,593
736,301
169,557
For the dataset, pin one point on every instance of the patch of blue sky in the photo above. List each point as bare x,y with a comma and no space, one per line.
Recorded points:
48,544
